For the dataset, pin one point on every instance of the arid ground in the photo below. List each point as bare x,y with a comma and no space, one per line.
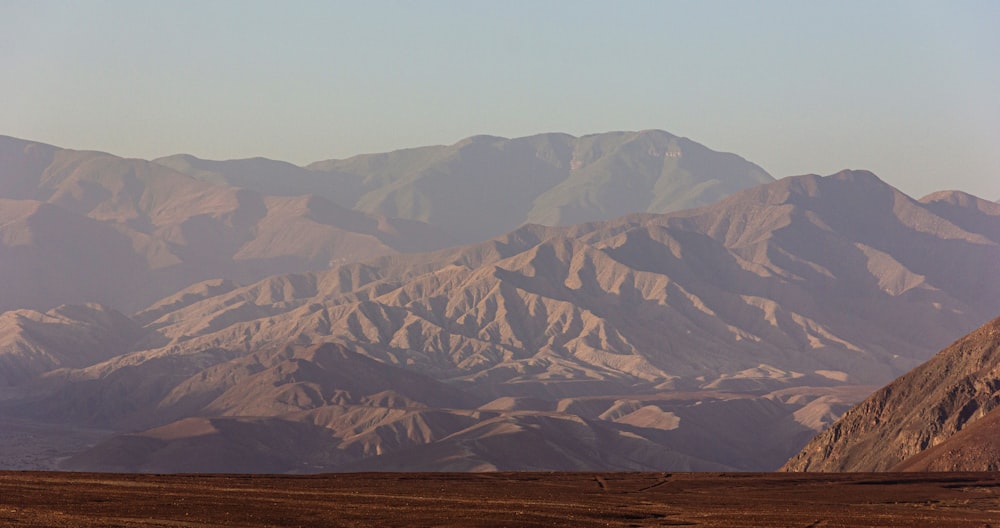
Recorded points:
500,499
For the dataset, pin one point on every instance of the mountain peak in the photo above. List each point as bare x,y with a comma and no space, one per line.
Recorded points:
962,200
858,179
480,139
484,186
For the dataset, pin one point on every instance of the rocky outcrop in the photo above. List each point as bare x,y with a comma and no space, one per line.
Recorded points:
940,416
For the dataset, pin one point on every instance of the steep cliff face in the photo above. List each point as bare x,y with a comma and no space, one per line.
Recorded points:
938,416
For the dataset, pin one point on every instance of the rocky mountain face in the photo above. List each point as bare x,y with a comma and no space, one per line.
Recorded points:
487,186
716,338
860,281
974,448
79,227
940,416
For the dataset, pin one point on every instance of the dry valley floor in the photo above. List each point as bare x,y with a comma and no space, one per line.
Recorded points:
500,499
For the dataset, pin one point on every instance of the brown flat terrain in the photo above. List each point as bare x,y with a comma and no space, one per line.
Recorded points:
500,499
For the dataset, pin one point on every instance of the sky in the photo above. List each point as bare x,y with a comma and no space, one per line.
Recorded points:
908,89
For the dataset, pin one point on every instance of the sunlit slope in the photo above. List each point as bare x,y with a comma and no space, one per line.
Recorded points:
941,416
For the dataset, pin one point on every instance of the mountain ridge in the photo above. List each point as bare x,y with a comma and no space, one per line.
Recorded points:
660,336
80,226
484,186
714,338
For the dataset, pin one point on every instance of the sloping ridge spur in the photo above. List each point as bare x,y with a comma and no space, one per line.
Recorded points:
941,416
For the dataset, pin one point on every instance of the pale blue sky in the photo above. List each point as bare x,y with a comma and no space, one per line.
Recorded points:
908,89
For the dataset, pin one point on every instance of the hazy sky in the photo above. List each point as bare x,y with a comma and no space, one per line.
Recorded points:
908,89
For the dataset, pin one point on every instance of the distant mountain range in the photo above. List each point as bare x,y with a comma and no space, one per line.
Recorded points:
942,416
679,309
716,338
487,186
861,280
79,227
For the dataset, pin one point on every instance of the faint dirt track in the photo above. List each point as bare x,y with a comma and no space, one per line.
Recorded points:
499,499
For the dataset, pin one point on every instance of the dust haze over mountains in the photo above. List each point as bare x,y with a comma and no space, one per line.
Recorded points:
619,301
487,186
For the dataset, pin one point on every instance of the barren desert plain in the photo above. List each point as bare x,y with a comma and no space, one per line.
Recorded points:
501,499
